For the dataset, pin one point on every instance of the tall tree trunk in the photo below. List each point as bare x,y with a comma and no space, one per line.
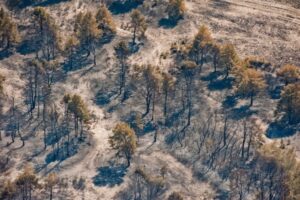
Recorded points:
251,99
81,129
244,138
94,54
153,105
165,103
134,35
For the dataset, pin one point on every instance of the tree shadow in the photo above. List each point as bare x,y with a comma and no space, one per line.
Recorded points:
63,153
241,112
176,135
220,84
135,47
174,117
230,101
5,54
276,92
79,62
220,4
27,47
50,2
110,176
149,127
167,23
113,108
280,129
120,7
27,3
171,138
104,97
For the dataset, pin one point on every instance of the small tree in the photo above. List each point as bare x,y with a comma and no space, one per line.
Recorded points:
163,171
105,21
175,196
2,79
167,87
122,53
151,84
289,73
290,102
9,191
215,50
47,34
250,83
50,182
138,24
70,49
123,141
88,32
36,72
228,59
27,182
283,173
200,46
80,112
9,34
239,184
176,9
188,71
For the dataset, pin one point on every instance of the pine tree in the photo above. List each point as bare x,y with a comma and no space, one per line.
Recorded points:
80,112
167,87
36,72
105,21
9,190
176,9
200,46
9,34
151,86
286,168
123,141
50,182
138,24
249,83
122,52
27,182
239,183
2,79
215,50
47,37
70,49
290,102
188,71
228,59
88,33
289,73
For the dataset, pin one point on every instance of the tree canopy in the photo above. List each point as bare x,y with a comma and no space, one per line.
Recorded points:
123,141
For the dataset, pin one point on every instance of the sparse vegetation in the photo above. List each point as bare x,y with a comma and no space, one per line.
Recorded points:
146,100
47,38
88,33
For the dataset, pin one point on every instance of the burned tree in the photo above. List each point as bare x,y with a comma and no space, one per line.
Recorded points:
122,53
